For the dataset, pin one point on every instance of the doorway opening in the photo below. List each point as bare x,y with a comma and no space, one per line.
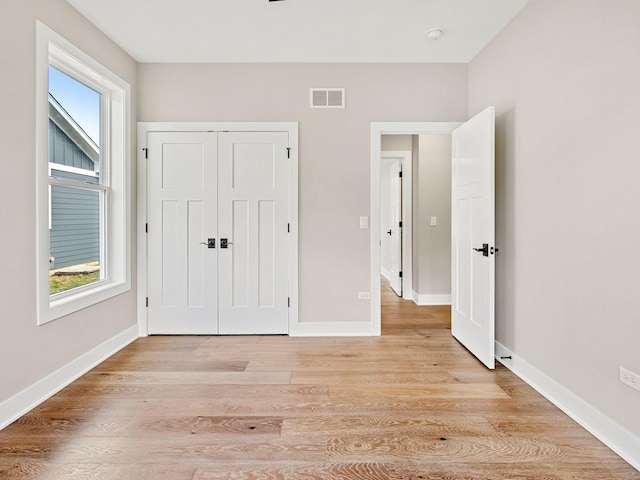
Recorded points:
382,159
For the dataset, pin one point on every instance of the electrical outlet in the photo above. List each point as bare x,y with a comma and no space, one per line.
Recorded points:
364,295
629,378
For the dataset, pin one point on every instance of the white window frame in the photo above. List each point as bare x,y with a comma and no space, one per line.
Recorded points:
52,49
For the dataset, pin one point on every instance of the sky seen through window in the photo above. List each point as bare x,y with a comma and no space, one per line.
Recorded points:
81,102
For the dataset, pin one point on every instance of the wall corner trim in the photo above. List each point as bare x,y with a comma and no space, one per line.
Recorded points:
609,432
32,396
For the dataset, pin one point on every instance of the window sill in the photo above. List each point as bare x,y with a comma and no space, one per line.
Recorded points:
84,298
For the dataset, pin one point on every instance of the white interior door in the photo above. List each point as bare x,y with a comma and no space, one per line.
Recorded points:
182,213
395,213
253,171
473,236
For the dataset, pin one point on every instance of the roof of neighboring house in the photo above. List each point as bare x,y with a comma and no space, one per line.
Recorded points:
71,129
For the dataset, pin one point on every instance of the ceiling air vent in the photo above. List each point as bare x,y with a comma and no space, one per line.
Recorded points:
327,97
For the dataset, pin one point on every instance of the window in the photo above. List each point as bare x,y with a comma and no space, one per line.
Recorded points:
82,119
77,190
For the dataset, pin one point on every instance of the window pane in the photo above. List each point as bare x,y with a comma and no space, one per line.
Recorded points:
74,123
74,238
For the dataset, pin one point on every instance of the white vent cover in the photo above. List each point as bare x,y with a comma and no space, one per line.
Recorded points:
327,97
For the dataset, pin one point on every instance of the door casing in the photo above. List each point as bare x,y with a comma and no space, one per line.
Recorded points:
144,128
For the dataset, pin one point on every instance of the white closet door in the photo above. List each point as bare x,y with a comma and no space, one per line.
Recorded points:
182,215
253,196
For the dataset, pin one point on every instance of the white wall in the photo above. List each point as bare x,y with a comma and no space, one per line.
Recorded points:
433,246
396,143
28,353
334,148
564,77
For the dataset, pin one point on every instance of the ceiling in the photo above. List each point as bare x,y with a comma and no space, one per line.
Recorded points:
351,31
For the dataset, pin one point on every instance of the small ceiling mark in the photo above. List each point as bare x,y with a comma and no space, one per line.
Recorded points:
434,34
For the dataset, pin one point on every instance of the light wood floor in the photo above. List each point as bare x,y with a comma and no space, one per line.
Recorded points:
412,404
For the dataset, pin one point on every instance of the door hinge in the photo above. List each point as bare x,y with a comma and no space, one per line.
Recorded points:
400,174
400,224
288,301
288,152
146,302
288,228
146,152
400,274
146,228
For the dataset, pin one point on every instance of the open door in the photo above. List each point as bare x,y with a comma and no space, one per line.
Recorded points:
473,236
395,228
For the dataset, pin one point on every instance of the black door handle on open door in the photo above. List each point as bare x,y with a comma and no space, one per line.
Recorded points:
484,249
224,242
389,232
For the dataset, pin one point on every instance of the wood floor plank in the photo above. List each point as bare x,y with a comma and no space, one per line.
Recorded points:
476,449
186,378
432,425
360,366
407,377
163,364
301,406
512,471
534,425
140,427
348,377
479,390
135,471
294,471
100,406
183,392
160,451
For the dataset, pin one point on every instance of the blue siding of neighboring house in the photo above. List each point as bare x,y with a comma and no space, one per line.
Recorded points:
64,151
74,237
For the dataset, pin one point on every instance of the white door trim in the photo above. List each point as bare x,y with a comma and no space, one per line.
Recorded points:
407,216
146,127
377,130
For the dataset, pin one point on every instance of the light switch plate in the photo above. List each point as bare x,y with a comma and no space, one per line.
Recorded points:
364,222
434,221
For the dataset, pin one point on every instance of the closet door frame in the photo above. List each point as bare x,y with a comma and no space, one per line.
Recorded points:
144,129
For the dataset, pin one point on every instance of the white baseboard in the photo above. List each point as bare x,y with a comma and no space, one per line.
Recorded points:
443,299
609,432
32,396
333,329
385,273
